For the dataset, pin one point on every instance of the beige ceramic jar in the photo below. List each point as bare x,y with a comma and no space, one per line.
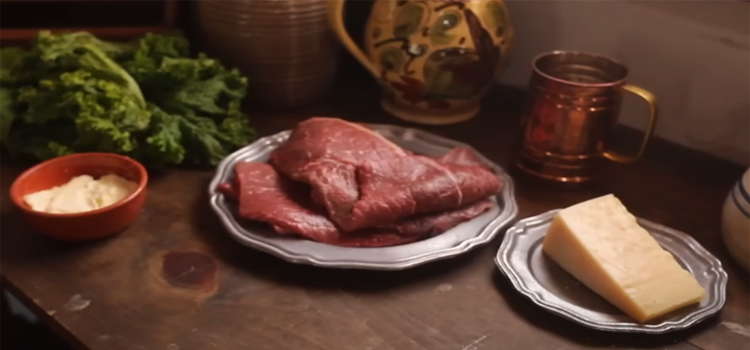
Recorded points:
284,47
735,221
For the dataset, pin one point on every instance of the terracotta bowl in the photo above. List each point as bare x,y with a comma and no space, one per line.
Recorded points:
88,225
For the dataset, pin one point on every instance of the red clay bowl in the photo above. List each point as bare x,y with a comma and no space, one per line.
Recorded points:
88,225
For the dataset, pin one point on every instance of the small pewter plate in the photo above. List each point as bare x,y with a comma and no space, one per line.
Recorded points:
455,241
540,279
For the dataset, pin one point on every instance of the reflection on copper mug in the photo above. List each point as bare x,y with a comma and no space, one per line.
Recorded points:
575,101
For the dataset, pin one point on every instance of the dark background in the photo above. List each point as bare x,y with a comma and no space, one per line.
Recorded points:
35,15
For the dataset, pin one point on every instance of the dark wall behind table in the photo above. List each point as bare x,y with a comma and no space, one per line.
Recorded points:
82,14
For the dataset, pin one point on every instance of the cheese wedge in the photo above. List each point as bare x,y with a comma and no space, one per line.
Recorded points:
600,243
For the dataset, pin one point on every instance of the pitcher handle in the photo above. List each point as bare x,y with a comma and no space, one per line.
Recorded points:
336,21
653,114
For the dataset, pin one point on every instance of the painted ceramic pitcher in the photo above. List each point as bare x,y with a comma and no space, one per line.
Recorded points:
434,59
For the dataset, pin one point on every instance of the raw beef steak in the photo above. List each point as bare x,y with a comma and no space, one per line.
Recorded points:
364,180
401,187
463,156
266,196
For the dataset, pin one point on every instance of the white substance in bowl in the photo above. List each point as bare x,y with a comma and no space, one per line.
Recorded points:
81,194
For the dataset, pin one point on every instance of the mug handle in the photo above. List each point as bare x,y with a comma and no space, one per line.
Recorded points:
653,114
336,21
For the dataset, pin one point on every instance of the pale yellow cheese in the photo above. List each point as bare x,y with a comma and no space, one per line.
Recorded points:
600,243
80,194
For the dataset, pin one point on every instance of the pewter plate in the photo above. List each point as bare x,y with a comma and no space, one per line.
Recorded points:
458,240
540,279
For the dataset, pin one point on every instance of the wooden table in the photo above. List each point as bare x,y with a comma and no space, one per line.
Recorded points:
217,294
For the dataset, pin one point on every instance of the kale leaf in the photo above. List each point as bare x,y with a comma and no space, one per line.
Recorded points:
147,99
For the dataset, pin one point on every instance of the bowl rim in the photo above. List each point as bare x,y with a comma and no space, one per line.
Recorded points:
21,204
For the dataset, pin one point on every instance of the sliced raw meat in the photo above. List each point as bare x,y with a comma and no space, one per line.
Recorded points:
321,138
266,196
440,223
325,153
437,223
229,189
401,187
364,180
463,156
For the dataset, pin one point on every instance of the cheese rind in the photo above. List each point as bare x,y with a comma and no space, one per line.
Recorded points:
600,243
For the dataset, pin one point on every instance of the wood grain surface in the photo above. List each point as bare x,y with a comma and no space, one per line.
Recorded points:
176,281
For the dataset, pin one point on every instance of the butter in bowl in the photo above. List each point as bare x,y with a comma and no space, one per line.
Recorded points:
82,196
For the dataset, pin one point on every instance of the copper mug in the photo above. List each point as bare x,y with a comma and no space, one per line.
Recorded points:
575,101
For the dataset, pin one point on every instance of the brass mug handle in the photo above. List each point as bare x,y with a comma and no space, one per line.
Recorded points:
653,114
336,21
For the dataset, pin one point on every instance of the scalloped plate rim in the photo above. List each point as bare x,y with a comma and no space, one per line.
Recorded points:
713,264
506,213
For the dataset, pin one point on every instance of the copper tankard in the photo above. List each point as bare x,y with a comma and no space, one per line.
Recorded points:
575,101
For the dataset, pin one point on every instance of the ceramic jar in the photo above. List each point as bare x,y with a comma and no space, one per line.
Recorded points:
284,47
735,222
434,59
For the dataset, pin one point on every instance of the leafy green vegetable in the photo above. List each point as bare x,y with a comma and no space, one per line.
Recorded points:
151,51
207,96
17,66
6,110
52,48
106,116
163,145
146,99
